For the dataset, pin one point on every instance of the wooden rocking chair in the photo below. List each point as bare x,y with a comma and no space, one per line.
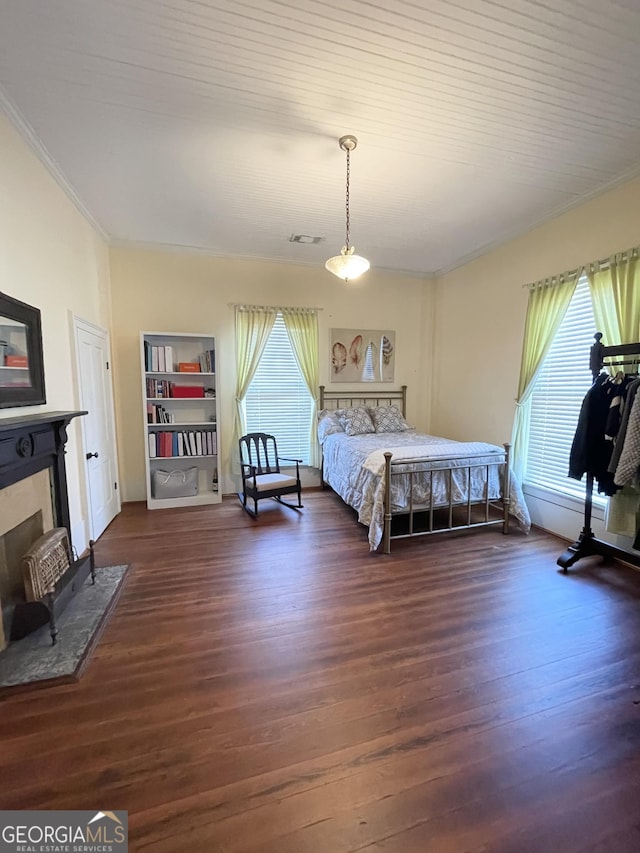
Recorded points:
261,475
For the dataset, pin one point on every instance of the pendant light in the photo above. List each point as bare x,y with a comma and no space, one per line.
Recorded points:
346,265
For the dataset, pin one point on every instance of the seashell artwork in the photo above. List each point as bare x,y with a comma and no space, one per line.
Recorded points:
338,357
355,351
387,349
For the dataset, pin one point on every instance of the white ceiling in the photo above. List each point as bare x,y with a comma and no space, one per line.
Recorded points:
214,123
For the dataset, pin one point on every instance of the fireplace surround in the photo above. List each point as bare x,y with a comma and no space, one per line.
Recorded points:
35,443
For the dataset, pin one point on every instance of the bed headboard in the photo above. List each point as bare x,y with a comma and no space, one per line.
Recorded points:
349,397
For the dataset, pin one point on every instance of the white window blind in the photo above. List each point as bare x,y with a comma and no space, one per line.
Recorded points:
560,388
278,401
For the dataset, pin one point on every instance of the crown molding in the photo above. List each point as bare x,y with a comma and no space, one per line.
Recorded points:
35,143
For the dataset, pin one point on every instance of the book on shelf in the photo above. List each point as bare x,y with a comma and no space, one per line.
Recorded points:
158,388
188,367
158,359
169,360
175,443
208,361
157,414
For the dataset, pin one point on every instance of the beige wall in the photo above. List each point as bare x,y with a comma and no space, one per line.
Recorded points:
479,324
481,307
188,292
52,258
459,338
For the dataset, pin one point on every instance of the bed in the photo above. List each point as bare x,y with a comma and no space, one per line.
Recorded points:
403,483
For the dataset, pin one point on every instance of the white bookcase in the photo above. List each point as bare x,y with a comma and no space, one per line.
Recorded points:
180,416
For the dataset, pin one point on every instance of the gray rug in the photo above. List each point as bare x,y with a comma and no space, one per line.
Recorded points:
33,661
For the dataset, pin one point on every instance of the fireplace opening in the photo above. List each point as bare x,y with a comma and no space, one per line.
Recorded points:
13,544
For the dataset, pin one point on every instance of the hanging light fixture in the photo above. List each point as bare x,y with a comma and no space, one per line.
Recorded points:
346,265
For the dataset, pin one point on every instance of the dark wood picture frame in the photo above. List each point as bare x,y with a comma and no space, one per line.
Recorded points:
32,392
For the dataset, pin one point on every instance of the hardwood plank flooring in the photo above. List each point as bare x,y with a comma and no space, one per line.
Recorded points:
270,686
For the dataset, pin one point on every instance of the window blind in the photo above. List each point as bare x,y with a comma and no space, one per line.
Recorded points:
560,388
278,401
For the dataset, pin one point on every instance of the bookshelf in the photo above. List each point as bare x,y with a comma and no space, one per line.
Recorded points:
180,419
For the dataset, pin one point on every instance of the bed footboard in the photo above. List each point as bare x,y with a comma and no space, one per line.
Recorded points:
458,513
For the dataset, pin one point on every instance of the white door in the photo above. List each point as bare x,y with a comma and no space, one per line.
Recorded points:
98,425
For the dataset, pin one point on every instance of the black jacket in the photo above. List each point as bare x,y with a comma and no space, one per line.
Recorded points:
590,451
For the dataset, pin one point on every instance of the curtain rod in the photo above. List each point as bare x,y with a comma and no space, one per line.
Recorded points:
244,305
571,274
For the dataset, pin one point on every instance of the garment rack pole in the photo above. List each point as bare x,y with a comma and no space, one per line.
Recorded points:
587,544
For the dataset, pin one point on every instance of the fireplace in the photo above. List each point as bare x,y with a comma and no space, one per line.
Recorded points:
33,490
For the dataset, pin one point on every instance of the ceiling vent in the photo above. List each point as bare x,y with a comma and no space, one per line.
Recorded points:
305,238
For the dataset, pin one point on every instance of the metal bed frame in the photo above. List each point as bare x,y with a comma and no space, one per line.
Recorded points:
349,398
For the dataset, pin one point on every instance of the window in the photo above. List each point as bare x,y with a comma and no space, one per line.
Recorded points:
278,401
560,388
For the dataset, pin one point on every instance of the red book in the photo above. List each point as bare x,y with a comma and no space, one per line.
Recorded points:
188,367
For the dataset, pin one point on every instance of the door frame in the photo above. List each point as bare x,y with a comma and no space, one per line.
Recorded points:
80,324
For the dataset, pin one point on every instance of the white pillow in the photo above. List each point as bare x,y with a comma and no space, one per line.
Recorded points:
328,424
356,420
388,419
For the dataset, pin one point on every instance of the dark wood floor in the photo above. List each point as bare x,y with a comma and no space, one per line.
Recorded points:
272,687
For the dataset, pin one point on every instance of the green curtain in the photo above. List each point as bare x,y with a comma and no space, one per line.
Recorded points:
302,328
253,327
615,293
548,303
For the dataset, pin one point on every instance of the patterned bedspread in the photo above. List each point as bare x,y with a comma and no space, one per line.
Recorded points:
354,468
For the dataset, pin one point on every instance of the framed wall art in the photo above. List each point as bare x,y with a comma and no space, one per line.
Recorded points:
21,361
362,355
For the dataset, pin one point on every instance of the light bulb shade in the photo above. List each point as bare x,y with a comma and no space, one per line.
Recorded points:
346,265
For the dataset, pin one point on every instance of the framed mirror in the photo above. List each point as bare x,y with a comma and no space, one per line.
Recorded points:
21,360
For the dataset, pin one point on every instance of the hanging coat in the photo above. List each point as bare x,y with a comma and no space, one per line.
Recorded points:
590,450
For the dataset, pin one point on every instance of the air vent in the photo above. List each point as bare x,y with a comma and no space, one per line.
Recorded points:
305,238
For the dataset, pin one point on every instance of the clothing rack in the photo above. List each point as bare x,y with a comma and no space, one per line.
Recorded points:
587,544
599,352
